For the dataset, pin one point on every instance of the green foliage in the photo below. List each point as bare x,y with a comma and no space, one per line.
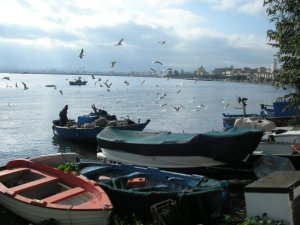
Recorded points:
240,218
68,167
128,220
286,38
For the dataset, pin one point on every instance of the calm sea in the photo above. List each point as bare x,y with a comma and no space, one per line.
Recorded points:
26,115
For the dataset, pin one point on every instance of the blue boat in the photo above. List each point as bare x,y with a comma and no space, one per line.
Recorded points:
86,128
137,190
276,113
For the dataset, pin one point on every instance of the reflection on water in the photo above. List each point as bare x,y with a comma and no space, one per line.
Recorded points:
87,151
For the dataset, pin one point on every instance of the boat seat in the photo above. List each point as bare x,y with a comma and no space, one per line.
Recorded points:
64,195
33,184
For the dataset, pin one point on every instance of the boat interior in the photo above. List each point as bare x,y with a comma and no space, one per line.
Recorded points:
39,188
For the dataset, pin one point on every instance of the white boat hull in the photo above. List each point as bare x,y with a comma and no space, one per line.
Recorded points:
157,161
292,137
56,158
37,214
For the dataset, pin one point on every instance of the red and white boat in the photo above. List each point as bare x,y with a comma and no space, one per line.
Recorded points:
38,192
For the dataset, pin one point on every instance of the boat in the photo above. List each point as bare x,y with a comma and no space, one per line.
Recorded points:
78,81
136,190
38,192
286,136
165,149
86,128
275,113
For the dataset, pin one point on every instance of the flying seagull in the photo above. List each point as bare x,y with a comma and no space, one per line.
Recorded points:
25,86
153,70
157,62
119,43
81,54
162,42
113,64
126,82
60,91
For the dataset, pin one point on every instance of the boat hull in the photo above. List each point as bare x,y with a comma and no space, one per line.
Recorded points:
165,162
38,214
227,147
199,199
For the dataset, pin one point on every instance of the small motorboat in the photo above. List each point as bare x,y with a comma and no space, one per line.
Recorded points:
78,81
38,192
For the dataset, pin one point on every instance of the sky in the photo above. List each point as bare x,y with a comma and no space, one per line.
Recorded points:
47,35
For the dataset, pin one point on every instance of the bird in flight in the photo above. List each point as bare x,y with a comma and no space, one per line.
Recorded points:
126,82
153,70
158,62
119,43
25,86
113,64
60,91
93,77
81,53
176,108
162,42
142,82
6,78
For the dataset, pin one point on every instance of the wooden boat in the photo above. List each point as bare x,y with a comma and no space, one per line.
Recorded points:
86,128
78,81
134,190
177,150
275,113
37,192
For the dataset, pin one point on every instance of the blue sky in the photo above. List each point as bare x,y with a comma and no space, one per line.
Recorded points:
40,34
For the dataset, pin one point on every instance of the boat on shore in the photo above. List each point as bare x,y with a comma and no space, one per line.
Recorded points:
78,81
177,150
38,192
275,113
135,190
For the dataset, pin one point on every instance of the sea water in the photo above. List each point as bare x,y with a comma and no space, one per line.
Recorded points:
176,105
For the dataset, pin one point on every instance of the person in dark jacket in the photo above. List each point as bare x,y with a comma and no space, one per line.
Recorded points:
63,117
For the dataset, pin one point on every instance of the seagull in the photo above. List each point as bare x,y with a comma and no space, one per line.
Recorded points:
178,91
93,77
126,82
162,42
153,70
25,86
60,91
119,43
176,108
16,85
142,82
157,62
6,78
81,54
163,105
113,64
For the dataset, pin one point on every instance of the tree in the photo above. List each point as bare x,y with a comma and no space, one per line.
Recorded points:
285,14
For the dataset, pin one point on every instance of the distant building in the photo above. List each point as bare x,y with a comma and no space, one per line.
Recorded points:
201,71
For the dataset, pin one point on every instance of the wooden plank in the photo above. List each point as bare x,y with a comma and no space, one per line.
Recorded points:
33,184
63,195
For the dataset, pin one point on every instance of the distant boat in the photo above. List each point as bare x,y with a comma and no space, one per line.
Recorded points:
78,81
51,85
177,150
38,192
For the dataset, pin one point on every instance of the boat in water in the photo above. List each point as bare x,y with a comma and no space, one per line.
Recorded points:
177,150
78,81
86,128
38,192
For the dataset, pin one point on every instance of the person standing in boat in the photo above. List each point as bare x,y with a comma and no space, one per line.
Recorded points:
63,117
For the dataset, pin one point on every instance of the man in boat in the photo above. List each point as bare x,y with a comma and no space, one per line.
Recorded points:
63,118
